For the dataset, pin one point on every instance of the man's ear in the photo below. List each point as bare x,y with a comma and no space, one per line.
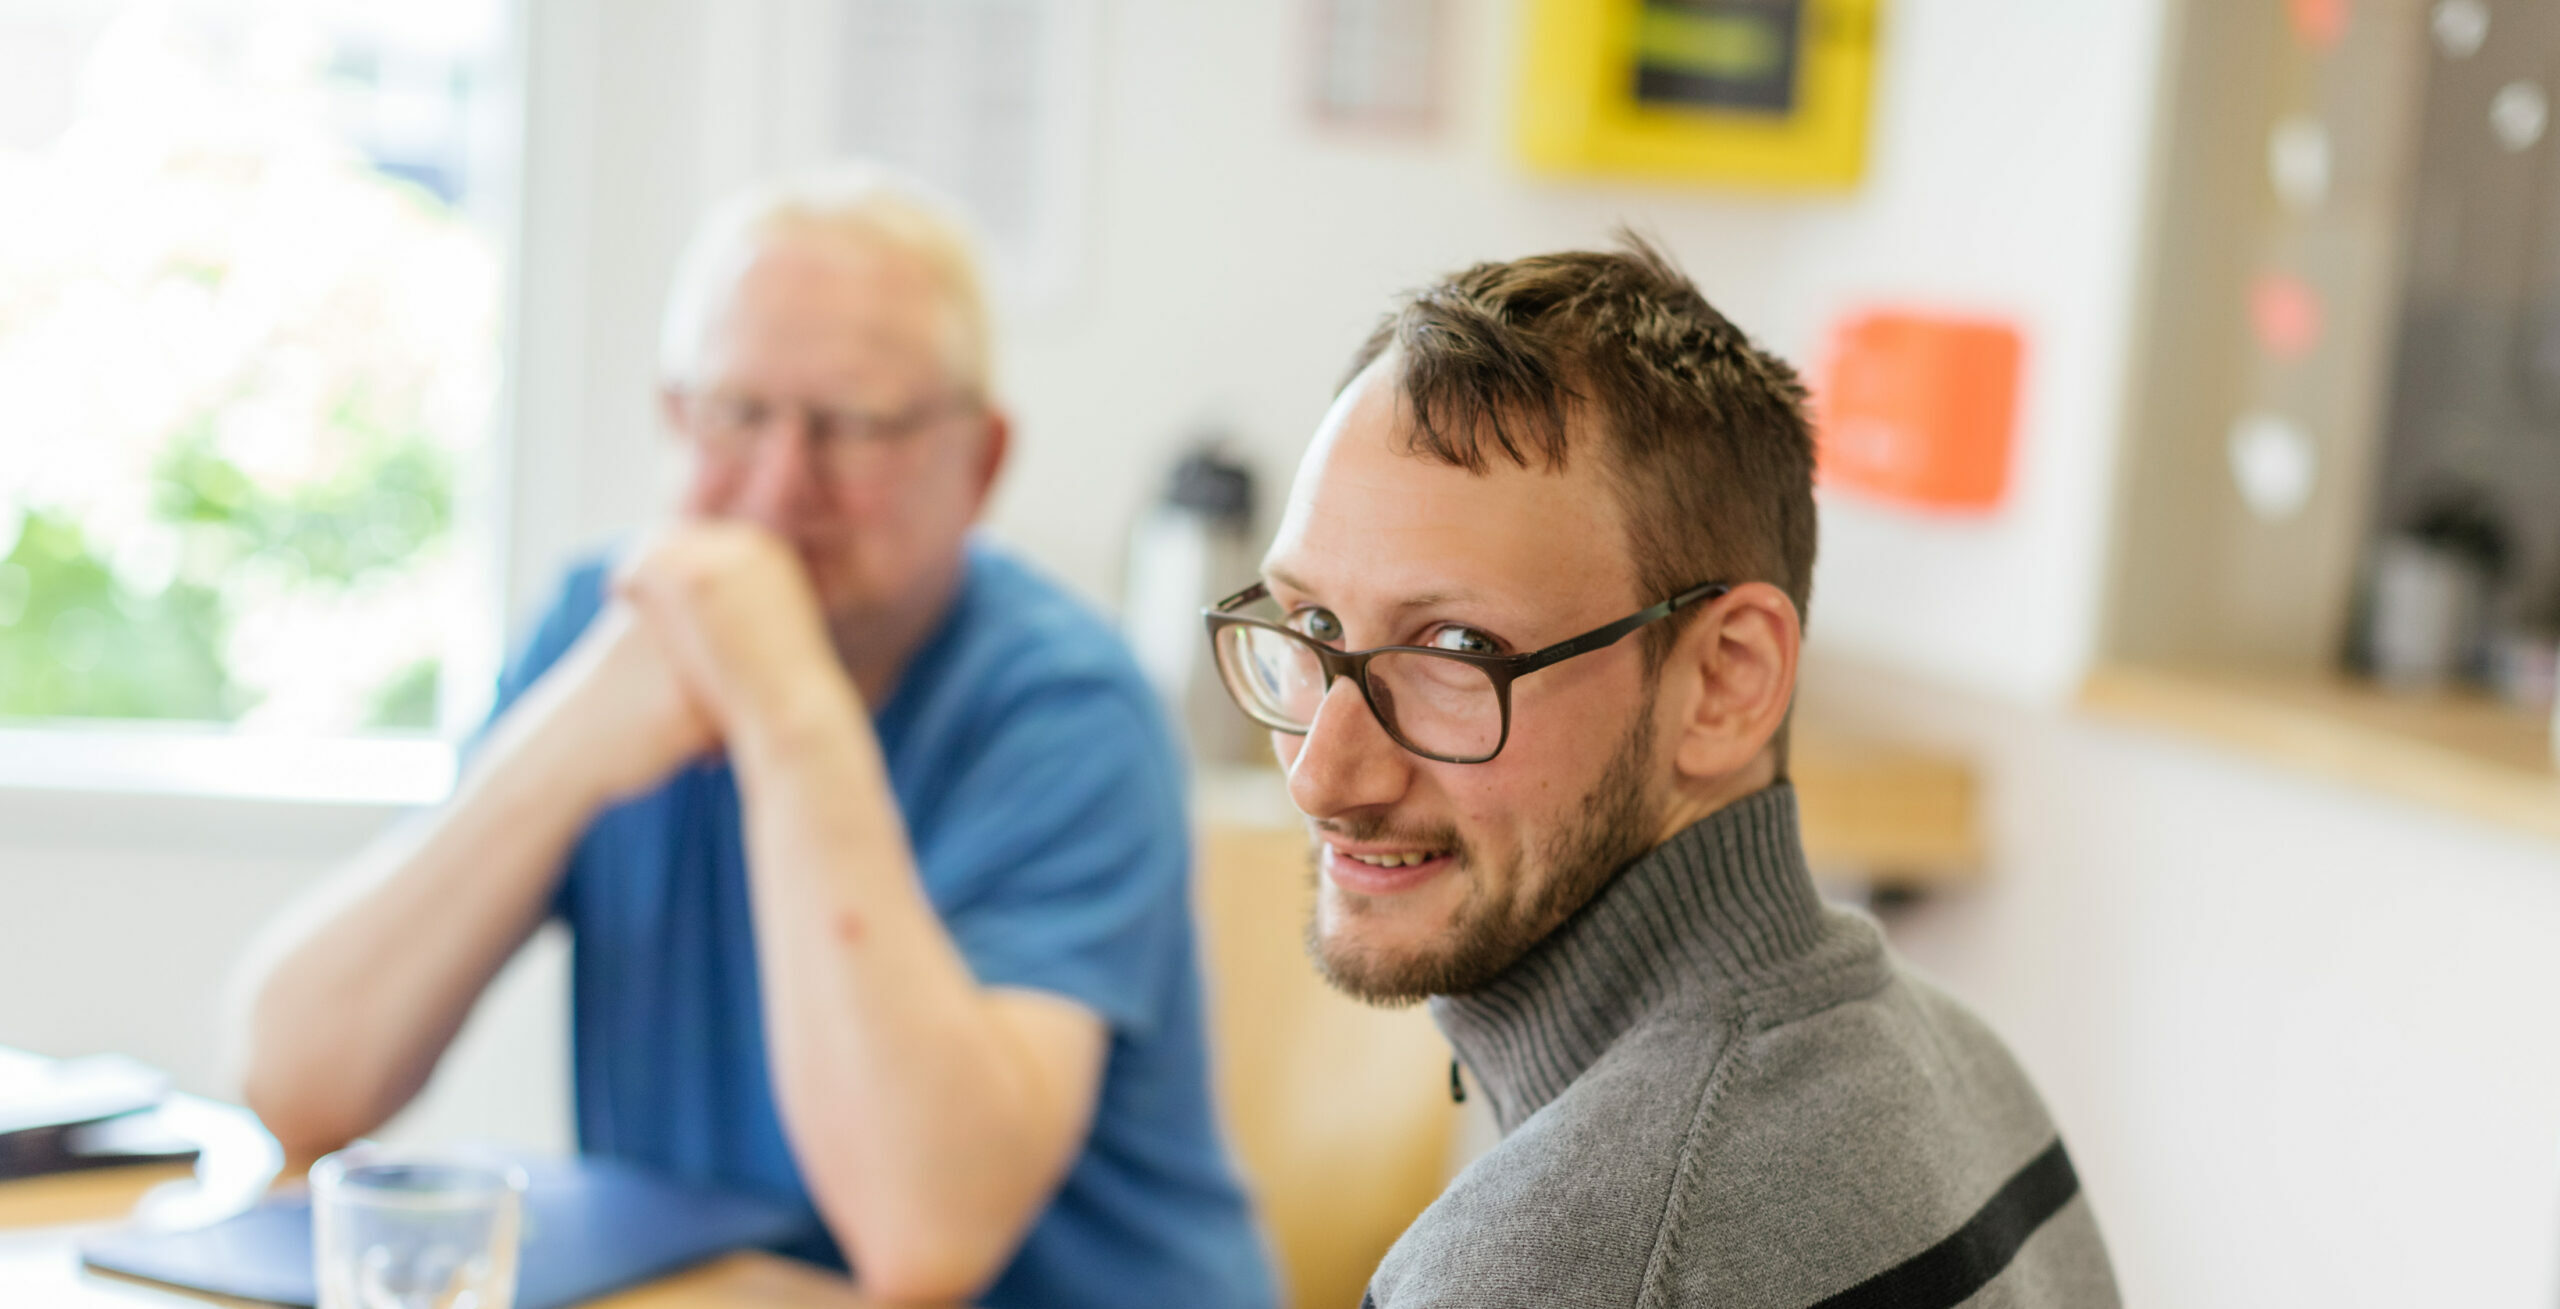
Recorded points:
995,443
1733,675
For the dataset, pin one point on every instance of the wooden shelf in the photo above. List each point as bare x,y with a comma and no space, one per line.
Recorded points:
1882,814
2464,753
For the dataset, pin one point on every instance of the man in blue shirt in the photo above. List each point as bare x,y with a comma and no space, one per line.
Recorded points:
870,840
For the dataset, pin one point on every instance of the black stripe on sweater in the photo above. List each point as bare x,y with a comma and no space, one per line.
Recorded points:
1949,1272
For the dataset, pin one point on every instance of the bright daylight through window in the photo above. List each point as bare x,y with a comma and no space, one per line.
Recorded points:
249,349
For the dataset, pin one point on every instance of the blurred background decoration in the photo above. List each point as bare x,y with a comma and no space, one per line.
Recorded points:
248,339
2346,475
2471,458
1760,93
1919,409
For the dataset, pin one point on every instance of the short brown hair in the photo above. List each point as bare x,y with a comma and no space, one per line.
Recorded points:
1704,433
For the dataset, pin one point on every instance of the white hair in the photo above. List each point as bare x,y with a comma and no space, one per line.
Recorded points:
858,202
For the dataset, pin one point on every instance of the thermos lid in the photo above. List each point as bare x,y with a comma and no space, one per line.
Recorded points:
2462,521
1209,483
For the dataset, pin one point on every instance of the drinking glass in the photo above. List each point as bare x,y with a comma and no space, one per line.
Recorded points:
415,1229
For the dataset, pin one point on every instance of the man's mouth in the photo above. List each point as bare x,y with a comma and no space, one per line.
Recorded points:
1396,860
1384,872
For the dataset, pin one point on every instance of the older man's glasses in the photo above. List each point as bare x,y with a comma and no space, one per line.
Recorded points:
846,440
1449,705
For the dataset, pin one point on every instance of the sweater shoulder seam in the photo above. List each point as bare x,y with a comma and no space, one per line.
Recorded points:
1653,1291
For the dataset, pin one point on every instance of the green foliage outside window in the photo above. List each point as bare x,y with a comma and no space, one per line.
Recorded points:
244,359
77,642
73,643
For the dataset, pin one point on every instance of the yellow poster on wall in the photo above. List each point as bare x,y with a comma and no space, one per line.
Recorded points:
1770,93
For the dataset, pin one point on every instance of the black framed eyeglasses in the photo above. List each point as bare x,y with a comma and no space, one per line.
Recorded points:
1449,705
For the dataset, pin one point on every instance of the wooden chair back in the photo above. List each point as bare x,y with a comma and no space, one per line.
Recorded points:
1339,1112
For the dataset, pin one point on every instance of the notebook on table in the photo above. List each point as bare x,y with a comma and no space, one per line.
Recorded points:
592,1227
69,1114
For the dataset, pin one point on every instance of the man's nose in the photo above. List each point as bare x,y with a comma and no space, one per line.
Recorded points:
1346,761
785,473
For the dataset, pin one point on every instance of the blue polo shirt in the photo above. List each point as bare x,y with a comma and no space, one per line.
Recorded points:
1044,798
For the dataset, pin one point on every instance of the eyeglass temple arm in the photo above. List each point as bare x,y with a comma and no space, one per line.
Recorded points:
1617,631
1240,599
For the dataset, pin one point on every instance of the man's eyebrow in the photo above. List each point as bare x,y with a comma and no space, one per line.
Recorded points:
1426,600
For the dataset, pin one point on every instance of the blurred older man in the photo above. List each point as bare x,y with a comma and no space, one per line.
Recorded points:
870,840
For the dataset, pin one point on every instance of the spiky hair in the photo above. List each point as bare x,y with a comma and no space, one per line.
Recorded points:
1703,434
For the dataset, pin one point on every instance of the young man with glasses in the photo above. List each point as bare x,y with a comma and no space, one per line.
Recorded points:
869,840
1526,642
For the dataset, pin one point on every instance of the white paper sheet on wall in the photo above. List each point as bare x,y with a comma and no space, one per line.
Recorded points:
1377,64
990,100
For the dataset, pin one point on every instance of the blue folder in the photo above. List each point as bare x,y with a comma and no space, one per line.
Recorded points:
591,1227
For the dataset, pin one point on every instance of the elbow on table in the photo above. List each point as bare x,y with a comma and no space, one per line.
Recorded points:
304,1120
930,1264
310,1109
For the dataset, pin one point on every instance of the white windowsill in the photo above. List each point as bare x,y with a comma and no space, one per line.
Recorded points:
180,760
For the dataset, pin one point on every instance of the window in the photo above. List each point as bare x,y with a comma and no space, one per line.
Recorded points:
249,351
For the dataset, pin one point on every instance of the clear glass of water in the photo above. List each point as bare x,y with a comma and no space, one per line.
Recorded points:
394,1228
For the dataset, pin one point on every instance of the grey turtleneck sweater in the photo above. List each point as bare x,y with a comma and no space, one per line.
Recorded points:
1714,1091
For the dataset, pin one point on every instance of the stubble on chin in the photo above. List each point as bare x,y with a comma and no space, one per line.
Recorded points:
1498,920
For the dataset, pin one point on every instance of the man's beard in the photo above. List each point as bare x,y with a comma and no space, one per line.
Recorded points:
1487,934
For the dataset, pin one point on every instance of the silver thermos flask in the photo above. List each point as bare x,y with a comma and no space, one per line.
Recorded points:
1192,546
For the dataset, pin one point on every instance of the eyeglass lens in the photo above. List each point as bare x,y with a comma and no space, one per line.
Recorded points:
1437,705
849,440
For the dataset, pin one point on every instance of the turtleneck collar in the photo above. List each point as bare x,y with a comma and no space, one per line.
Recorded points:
1725,903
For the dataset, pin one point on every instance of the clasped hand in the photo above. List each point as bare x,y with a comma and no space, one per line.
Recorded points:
713,637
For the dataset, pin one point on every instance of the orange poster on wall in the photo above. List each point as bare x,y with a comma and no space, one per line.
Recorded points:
1920,410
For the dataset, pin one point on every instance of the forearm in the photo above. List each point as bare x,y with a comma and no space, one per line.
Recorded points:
930,1124
355,994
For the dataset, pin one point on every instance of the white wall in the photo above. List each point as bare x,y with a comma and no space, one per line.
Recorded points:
1240,256
122,918
2301,1037
1236,254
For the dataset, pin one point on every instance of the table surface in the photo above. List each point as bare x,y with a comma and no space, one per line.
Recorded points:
42,1220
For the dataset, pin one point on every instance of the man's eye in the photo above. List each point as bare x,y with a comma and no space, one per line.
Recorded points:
1320,624
853,426
1465,640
